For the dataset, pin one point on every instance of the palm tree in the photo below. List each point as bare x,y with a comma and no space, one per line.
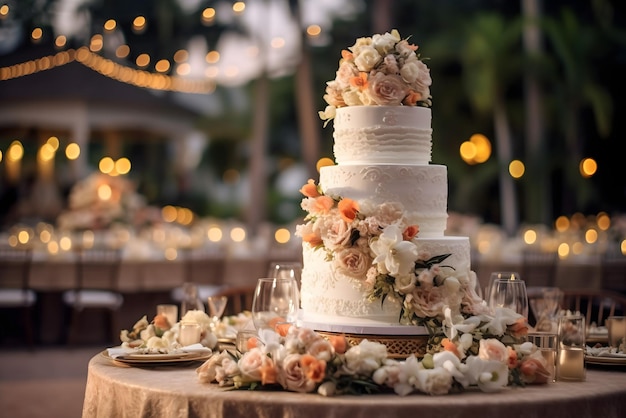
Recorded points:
575,46
490,60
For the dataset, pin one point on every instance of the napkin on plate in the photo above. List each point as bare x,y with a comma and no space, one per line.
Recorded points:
115,352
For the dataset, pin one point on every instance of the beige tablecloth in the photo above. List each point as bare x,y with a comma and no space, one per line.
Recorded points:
120,391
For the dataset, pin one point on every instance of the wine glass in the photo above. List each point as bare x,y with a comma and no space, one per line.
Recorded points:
545,308
286,270
509,293
275,301
217,305
496,275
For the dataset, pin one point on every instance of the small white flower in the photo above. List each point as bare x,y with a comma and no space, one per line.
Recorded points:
398,256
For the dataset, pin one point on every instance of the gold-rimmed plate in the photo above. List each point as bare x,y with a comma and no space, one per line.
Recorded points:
606,360
160,358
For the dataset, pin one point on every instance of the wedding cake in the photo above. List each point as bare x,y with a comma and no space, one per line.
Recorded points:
376,260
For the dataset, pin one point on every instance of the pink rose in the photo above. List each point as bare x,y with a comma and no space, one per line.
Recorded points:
352,262
387,89
338,235
534,371
427,302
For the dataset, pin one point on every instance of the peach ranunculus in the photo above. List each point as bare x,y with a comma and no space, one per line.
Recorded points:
348,209
359,81
410,232
309,234
493,349
294,377
387,90
323,204
339,343
310,189
352,262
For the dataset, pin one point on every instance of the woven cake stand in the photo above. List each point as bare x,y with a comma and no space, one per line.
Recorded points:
398,346
401,341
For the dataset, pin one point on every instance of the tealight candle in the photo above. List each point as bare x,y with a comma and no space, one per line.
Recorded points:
190,333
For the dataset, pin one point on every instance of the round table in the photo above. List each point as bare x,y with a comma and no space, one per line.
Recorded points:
115,390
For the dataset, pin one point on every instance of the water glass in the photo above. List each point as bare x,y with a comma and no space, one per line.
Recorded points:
275,300
190,333
571,355
286,270
616,326
217,306
509,293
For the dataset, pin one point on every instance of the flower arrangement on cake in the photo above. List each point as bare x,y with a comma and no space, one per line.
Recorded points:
379,70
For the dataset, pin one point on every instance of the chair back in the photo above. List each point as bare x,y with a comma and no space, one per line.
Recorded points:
15,263
595,305
239,298
539,268
98,268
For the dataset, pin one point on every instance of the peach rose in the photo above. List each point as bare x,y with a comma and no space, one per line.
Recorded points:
352,262
493,349
314,368
323,204
294,377
534,371
254,365
160,321
387,90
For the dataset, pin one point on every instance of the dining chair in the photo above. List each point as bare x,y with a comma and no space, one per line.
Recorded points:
595,305
613,270
15,291
539,268
96,289
239,298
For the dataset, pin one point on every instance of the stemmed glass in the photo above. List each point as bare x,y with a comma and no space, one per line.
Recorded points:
287,270
509,293
217,305
546,307
496,275
275,301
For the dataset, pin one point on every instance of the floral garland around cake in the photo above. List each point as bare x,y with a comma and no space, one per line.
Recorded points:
379,70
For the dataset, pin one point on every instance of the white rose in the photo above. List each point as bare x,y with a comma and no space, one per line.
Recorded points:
410,71
437,381
367,58
384,44
352,263
365,357
492,349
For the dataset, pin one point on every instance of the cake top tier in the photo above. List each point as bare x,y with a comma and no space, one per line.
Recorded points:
381,70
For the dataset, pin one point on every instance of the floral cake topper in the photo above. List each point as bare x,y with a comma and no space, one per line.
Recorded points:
382,70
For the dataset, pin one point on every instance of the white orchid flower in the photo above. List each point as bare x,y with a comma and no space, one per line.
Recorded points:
398,256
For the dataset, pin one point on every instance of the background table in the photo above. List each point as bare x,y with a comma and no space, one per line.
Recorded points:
170,391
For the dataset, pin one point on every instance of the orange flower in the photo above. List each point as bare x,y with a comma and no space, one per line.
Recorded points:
323,204
252,342
519,328
313,369
451,347
160,321
339,343
359,81
313,239
346,55
269,373
412,98
282,329
348,209
410,232
310,189
511,358
534,371
274,322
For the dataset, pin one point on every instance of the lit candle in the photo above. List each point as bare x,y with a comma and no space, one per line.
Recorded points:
190,333
571,364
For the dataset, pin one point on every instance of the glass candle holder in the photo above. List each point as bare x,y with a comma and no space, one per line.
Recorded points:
190,333
547,345
571,354
616,326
